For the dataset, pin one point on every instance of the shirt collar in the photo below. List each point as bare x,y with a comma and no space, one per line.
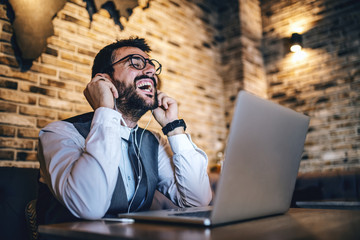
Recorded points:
126,131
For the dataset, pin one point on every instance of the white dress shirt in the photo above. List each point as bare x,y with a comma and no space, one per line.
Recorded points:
82,173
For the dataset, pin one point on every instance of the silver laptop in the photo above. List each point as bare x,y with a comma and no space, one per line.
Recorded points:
261,163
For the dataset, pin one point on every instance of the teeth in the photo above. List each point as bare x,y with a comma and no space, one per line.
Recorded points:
142,84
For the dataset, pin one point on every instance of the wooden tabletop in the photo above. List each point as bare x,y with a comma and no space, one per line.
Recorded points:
298,223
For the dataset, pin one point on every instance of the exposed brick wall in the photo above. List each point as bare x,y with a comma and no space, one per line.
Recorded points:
181,36
240,35
325,84
210,50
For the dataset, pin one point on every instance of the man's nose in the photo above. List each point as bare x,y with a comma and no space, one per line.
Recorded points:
149,69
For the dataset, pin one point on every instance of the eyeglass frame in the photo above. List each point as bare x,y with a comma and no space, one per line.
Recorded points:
144,59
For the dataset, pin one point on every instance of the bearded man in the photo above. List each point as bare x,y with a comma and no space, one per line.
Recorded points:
101,163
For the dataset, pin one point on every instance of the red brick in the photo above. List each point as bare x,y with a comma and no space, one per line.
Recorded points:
8,84
72,97
42,69
9,61
75,20
16,143
59,43
7,107
47,59
75,58
55,104
73,77
38,112
83,108
28,133
17,120
77,2
7,154
55,83
3,12
41,123
15,73
26,156
80,89
65,115
87,52
7,131
38,90
7,48
16,96
6,27
85,70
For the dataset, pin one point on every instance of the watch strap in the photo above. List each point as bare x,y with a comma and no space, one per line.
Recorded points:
172,125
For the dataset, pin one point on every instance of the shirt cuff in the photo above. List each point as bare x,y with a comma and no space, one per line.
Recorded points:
110,118
180,142
106,116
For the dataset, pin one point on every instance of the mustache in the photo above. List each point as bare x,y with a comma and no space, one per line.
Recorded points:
147,77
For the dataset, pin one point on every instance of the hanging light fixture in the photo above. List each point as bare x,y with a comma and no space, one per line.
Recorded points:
296,42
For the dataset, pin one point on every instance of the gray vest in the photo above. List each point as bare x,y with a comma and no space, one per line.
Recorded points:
52,211
149,160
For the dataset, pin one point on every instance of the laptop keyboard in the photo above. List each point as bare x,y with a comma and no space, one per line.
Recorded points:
199,214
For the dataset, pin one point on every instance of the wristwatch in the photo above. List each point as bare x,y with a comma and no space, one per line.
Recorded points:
172,125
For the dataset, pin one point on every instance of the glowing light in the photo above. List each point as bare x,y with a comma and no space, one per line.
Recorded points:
297,29
295,48
299,56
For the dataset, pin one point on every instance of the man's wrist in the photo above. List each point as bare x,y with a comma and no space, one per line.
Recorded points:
178,130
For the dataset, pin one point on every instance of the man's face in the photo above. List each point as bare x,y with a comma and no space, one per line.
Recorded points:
137,88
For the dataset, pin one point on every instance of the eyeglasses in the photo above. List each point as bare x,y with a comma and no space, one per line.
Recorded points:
139,62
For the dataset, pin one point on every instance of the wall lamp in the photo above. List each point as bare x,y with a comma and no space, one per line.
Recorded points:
296,42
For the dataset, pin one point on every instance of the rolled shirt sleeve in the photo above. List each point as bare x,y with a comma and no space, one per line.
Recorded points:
184,180
82,173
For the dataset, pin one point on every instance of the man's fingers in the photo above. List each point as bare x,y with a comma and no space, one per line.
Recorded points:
159,97
88,97
101,76
167,101
114,91
163,100
100,91
103,79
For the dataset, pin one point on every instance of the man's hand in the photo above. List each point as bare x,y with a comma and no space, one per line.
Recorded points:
100,92
167,112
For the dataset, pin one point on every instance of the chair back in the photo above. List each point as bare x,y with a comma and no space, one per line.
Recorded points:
30,217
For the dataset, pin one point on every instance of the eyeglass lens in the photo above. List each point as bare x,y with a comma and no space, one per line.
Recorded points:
139,63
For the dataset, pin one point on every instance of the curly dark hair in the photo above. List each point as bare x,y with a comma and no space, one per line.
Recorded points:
105,57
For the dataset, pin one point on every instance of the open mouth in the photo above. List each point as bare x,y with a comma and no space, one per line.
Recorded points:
146,87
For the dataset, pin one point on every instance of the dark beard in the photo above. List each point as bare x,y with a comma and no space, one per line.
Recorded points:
130,104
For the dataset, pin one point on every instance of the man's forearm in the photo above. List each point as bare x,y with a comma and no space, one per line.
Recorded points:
191,185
